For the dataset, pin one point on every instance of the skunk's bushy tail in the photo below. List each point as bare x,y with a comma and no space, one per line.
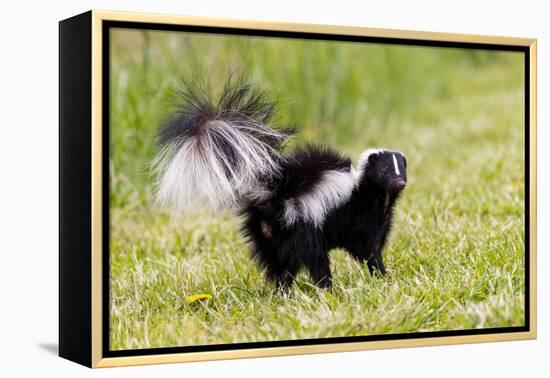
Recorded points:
218,148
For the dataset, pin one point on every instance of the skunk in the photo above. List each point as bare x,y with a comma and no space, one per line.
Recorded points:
222,152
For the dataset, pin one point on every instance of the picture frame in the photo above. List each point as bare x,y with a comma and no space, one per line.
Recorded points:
84,294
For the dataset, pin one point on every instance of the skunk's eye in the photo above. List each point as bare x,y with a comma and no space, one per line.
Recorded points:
386,172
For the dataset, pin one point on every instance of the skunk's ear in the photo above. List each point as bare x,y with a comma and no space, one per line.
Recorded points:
373,158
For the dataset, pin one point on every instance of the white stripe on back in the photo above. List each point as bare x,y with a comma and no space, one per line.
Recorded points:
334,188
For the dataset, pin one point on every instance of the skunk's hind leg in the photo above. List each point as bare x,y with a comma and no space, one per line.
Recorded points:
285,278
270,252
276,270
280,268
306,246
316,260
319,269
283,252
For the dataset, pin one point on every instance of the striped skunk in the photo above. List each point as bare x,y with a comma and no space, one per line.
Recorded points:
221,152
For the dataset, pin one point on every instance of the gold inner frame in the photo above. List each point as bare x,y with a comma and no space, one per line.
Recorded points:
97,233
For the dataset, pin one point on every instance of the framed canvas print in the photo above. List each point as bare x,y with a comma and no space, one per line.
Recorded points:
235,189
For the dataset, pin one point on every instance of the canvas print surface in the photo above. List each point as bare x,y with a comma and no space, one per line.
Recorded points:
268,189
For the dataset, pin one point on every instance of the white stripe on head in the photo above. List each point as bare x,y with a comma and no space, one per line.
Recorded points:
395,165
334,188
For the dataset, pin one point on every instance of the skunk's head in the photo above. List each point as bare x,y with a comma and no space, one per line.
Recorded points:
385,169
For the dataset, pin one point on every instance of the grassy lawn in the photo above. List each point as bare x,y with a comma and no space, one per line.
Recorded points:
456,254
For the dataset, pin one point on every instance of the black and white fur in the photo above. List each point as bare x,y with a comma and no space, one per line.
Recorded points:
220,151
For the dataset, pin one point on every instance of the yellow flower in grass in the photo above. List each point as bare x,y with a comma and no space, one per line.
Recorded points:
195,297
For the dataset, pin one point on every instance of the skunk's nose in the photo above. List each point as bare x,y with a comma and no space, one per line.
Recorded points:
400,184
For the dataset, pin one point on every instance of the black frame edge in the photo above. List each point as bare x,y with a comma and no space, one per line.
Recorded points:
75,196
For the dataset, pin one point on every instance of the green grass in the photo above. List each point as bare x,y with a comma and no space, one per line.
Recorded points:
456,256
